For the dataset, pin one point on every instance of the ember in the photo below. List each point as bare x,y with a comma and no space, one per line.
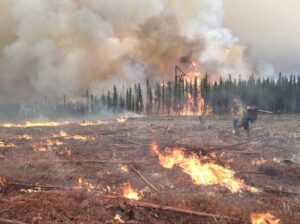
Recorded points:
129,192
265,218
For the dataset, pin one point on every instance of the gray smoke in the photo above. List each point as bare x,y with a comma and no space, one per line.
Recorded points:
56,47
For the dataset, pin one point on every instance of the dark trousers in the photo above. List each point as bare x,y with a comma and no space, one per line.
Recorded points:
246,125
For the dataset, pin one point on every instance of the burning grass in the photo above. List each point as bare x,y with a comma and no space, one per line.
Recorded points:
129,192
64,135
264,218
69,181
29,124
201,174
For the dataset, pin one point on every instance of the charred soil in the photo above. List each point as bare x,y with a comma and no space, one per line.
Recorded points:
72,173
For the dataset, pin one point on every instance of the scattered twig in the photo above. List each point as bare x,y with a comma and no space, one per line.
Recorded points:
143,178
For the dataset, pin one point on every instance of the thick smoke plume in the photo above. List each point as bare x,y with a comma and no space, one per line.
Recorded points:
56,47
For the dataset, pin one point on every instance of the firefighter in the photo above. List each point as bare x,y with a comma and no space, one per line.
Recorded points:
249,116
237,111
242,117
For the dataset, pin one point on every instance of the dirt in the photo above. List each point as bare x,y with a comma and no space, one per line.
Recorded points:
269,161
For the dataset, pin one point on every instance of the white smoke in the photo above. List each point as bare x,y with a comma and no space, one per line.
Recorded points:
56,47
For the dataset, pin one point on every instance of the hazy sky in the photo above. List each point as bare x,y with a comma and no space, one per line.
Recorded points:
271,29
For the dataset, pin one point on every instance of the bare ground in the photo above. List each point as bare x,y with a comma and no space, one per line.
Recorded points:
270,161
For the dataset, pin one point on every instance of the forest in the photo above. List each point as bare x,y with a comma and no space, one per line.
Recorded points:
200,96
194,96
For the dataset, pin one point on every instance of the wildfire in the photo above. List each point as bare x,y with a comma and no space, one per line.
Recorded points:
6,145
63,134
3,183
201,174
129,192
84,184
29,124
194,71
92,123
122,119
26,137
258,161
118,218
264,218
47,146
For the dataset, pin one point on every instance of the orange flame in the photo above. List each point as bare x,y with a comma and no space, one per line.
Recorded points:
3,182
258,161
92,123
6,145
201,174
86,185
64,135
264,218
129,192
25,136
47,146
122,119
29,124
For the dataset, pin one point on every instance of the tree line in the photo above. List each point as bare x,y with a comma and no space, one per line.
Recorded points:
200,96
194,96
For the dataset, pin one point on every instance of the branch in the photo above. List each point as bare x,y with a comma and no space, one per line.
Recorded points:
143,178
179,210
7,221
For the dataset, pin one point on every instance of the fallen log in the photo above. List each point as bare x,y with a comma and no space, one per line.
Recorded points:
169,208
279,192
33,185
8,221
144,179
179,210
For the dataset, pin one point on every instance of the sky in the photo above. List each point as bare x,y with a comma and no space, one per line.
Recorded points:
269,28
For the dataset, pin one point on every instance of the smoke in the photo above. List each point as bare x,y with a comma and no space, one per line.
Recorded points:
56,47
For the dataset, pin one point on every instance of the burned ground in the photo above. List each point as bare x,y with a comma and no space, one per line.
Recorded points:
42,167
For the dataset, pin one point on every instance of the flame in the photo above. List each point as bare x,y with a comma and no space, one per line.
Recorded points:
29,124
264,218
32,191
25,136
118,218
63,134
86,185
258,161
201,174
129,192
47,146
122,119
192,107
6,145
194,71
3,183
92,123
